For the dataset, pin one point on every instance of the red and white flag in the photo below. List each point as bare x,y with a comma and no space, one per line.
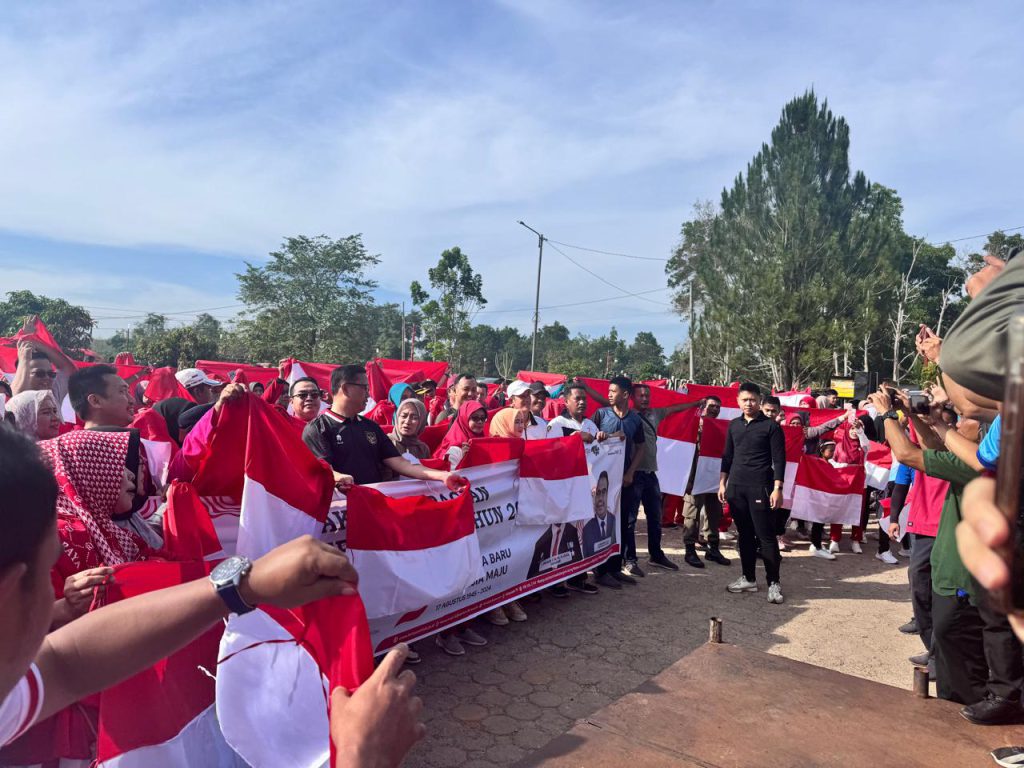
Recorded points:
410,551
709,456
554,482
797,398
828,494
794,452
159,447
677,448
885,512
878,466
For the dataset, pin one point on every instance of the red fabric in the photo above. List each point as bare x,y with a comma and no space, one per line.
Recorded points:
437,404
552,408
320,372
89,467
41,336
163,385
433,435
412,370
382,413
848,447
555,459
378,522
380,384
253,373
124,358
925,498
671,509
460,433
547,379
273,390
187,526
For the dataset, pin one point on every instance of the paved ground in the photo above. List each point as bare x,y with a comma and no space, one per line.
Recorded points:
496,704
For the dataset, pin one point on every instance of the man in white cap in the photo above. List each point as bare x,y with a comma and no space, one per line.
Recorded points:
521,398
199,385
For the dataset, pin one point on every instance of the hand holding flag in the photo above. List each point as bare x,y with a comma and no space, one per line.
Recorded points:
299,572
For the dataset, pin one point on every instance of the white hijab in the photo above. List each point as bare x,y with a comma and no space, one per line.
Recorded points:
25,407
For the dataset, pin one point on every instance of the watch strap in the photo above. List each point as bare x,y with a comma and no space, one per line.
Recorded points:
233,598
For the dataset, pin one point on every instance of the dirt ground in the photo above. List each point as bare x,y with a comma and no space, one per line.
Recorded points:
573,656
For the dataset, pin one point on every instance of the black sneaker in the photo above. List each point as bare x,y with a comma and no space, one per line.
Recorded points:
663,562
714,556
910,628
584,586
559,590
993,710
609,581
691,558
634,569
623,578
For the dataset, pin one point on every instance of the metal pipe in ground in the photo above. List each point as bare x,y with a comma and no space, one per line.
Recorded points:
921,682
715,630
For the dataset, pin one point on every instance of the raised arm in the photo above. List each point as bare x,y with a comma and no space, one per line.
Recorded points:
117,641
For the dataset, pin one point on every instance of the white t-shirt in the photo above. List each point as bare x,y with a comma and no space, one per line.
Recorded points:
537,431
20,707
567,422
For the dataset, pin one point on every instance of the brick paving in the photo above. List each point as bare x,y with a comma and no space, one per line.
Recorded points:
573,656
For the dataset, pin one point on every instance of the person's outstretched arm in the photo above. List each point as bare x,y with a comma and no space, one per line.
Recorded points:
117,641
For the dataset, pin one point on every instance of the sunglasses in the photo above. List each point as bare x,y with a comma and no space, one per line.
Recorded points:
478,417
308,395
44,374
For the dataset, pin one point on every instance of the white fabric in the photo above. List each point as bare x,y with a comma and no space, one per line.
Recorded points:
538,431
18,710
817,506
675,460
709,473
567,422
876,476
266,521
543,502
395,582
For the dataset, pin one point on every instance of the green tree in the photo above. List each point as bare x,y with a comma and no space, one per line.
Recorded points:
645,358
783,264
157,345
71,325
458,296
311,300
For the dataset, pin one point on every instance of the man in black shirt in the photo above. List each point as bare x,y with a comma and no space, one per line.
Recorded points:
355,447
753,470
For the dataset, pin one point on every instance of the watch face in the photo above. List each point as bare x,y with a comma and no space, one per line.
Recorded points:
228,570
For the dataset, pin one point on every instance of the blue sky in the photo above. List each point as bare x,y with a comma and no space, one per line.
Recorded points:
150,148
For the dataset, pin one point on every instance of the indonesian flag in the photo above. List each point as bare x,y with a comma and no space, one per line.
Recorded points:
163,716
828,494
160,448
794,452
411,551
188,529
294,370
677,447
730,408
252,373
547,379
554,482
709,455
269,656
886,516
878,465
797,398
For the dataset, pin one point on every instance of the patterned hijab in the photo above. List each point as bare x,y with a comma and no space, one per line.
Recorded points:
89,467
25,407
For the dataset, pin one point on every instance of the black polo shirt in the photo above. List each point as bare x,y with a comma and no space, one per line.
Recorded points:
355,446
755,451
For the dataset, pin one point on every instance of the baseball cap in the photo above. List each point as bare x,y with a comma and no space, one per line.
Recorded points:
518,388
538,388
193,377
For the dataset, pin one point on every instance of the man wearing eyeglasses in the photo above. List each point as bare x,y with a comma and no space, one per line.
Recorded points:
305,399
41,368
356,447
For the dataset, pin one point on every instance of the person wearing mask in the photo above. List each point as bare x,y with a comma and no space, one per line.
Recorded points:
44,672
36,415
753,471
100,397
619,420
200,387
702,511
356,448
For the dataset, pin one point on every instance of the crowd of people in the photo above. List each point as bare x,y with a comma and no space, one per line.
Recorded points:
77,500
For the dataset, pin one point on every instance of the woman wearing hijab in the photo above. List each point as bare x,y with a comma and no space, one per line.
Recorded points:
95,488
470,422
171,410
36,414
409,421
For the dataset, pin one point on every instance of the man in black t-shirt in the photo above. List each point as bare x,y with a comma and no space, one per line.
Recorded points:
355,447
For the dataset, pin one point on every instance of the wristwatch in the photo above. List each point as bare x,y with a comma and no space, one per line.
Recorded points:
891,415
226,578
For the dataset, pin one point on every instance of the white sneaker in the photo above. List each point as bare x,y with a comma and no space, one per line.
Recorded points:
497,617
449,644
903,553
725,536
742,585
833,547
824,553
775,594
515,612
856,548
887,558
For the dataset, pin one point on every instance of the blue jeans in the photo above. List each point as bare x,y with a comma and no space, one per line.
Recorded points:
644,490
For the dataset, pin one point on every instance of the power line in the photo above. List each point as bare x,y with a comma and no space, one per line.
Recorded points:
573,304
608,282
606,253
975,237
180,312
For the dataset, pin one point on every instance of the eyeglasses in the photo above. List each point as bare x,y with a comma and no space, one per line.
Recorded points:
47,374
311,394
478,417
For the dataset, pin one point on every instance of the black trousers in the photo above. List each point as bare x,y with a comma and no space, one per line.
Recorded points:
755,522
1003,651
920,574
960,668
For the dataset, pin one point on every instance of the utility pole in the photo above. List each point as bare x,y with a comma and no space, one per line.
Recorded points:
403,330
536,301
690,331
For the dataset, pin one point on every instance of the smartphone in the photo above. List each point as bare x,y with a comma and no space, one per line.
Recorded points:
1009,476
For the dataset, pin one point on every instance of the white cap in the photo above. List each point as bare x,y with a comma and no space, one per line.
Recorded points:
518,388
193,377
